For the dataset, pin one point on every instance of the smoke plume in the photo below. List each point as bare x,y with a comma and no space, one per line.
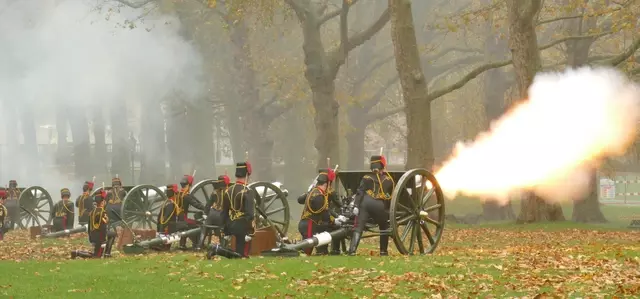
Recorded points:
76,54
550,142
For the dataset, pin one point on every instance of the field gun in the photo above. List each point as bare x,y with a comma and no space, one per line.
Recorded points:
139,247
416,214
66,232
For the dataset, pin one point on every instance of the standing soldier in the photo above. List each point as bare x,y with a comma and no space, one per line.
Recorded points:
213,209
316,217
168,216
238,210
373,200
100,236
84,203
63,214
12,204
115,197
3,213
183,201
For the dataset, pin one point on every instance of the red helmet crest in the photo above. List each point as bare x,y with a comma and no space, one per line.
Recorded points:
331,175
103,193
248,168
225,179
89,184
189,179
3,194
383,160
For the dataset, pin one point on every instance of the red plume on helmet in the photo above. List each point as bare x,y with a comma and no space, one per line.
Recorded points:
331,175
89,184
225,179
103,193
3,194
383,160
249,169
189,179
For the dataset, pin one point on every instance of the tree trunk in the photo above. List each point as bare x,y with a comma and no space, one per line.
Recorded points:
495,87
526,62
356,139
62,125
255,125
81,145
414,86
587,208
99,137
120,147
29,152
152,154
201,140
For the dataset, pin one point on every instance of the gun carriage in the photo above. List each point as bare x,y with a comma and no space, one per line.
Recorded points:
272,210
416,214
34,205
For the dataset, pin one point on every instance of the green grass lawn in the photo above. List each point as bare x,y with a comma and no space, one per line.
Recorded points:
489,260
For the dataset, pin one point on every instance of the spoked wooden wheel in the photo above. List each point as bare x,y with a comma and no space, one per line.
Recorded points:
38,205
417,213
271,202
141,206
202,192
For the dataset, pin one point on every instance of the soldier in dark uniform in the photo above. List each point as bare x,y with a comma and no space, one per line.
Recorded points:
63,212
316,217
238,210
12,205
213,210
167,222
100,234
184,200
373,200
84,203
115,197
3,213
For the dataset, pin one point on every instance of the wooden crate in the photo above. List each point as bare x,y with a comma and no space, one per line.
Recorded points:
37,231
263,239
125,236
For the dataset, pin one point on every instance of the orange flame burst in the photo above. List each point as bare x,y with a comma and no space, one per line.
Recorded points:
548,143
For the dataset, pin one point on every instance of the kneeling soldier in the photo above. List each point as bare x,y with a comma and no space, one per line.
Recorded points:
316,217
213,210
373,200
63,212
238,210
100,235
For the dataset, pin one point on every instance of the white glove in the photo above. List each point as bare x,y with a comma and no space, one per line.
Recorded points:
227,238
247,238
337,221
356,211
204,216
342,218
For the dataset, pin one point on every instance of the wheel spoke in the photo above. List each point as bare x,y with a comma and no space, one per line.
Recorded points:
433,208
406,231
427,232
419,239
271,212
425,199
412,242
404,219
428,219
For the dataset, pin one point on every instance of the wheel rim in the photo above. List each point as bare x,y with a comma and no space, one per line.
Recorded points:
414,231
271,202
202,192
141,206
38,205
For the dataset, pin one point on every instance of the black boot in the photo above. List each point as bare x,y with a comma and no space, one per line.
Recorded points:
335,247
81,253
183,243
384,245
355,241
108,246
203,234
216,249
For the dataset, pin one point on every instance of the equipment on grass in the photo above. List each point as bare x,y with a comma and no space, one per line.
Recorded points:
416,204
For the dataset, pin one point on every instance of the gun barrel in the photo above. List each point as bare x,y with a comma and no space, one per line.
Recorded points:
67,232
160,240
320,239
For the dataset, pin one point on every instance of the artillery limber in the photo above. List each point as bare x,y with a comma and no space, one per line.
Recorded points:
141,211
31,205
416,214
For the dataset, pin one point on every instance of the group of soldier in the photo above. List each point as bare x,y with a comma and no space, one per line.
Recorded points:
230,211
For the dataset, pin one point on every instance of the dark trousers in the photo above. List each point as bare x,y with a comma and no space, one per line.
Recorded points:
214,218
307,229
378,210
189,224
243,248
13,211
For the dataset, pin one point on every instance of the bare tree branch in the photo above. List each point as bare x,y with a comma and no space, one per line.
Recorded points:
618,59
344,28
338,57
330,15
542,22
133,4
568,38
374,117
357,85
450,50
375,99
470,76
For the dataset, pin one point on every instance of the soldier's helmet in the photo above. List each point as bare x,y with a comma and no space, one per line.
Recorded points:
88,186
13,184
222,182
186,180
378,162
116,182
326,175
243,169
100,196
171,190
64,192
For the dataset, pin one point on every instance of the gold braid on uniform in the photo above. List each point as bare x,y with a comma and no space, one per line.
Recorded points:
116,197
81,203
180,201
308,211
217,204
379,194
59,210
95,225
236,213
163,220
13,194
